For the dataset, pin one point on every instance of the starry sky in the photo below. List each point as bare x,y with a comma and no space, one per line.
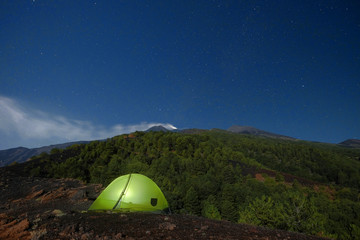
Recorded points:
81,70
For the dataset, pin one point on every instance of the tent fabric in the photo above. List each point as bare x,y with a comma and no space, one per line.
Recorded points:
132,192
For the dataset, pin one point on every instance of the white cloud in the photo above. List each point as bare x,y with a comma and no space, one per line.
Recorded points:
20,126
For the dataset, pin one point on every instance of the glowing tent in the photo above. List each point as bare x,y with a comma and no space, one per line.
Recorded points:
131,192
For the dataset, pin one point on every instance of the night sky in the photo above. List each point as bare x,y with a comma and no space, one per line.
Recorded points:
80,70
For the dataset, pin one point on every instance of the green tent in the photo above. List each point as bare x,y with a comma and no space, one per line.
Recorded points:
131,192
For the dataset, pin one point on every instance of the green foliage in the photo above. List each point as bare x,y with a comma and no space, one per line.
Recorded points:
228,204
56,151
212,174
209,208
343,214
354,231
35,172
301,214
264,212
13,163
279,177
191,202
294,213
229,210
228,175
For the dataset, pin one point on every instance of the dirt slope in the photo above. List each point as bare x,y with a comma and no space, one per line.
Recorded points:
40,208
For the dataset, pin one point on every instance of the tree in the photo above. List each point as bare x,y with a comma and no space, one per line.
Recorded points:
209,209
228,174
296,185
354,231
279,177
114,168
55,151
301,214
228,207
191,202
263,212
229,211
341,178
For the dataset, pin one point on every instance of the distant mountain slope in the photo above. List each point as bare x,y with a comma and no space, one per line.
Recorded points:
193,131
21,154
159,128
257,132
354,143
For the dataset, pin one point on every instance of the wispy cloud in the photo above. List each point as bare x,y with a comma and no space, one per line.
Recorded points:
34,126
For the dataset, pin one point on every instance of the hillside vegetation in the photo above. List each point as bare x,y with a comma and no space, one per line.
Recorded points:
298,186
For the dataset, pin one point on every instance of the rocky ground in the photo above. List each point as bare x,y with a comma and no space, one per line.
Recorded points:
41,208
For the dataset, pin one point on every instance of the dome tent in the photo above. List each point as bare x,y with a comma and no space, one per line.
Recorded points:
132,192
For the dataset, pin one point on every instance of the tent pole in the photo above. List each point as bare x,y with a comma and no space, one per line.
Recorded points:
123,192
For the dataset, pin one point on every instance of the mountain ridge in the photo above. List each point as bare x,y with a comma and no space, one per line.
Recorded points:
257,132
21,154
352,143
159,128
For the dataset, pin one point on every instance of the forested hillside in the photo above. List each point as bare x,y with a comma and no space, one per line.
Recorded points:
299,186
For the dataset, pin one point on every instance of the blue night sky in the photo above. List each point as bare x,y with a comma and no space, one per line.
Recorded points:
80,70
